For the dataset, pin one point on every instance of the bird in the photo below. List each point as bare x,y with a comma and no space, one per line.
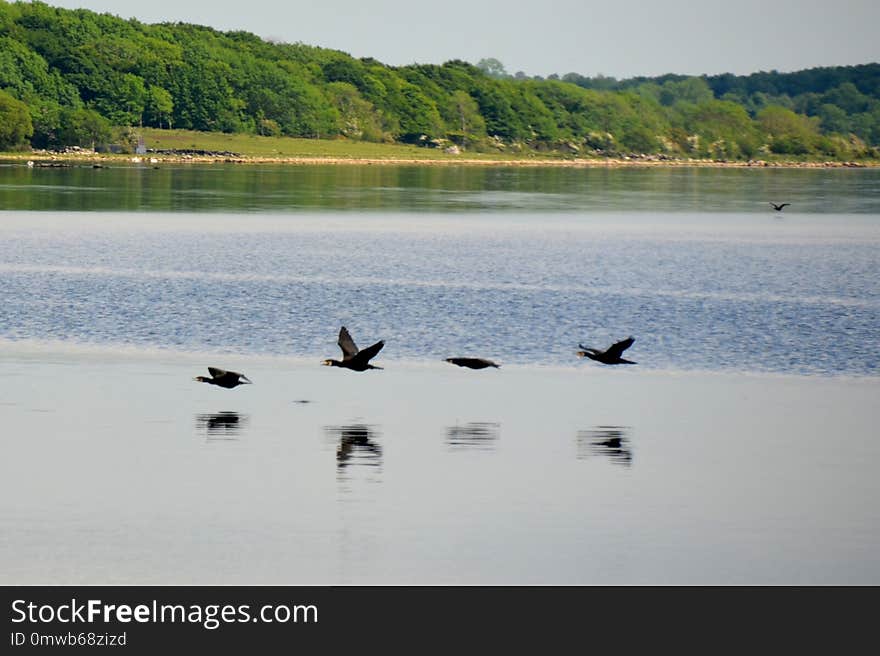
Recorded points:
611,355
352,358
779,207
223,378
473,363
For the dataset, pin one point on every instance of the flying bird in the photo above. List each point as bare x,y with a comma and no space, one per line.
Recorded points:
473,363
223,378
352,358
779,207
611,355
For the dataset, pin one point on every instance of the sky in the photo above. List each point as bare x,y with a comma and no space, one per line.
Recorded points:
618,38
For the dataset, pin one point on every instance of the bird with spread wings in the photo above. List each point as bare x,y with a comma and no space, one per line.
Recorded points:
352,357
611,355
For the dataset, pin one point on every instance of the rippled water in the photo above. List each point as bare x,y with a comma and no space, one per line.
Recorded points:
796,293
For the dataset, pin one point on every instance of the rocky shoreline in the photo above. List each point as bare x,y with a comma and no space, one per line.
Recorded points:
155,157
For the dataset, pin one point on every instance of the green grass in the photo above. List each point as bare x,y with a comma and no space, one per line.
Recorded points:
250,145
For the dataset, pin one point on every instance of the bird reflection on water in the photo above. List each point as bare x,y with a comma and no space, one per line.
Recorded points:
473,435
609,441
222,425
356,445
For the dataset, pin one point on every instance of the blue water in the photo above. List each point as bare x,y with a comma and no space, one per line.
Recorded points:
796,293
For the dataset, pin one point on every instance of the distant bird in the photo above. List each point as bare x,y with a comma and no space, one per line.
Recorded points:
223,378
611,355
779,207
473,363
352,358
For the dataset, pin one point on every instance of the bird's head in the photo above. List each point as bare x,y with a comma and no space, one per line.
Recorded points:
330,363
244,380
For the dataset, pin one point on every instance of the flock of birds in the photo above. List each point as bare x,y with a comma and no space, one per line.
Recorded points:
359,360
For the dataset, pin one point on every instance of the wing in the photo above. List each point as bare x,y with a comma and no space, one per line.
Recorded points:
370,352
217,373
616,350
346,343
784,205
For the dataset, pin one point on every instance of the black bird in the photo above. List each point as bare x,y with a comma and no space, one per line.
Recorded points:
352,358
223,378
779,207
611,355
473,363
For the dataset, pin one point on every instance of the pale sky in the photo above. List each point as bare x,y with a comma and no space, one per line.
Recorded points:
620,38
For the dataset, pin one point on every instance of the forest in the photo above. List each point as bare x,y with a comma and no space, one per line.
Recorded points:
79,78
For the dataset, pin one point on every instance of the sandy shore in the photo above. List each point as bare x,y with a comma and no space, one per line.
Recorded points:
119,468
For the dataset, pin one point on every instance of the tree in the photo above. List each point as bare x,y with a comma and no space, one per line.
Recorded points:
358,118
791,134
159,108
15,122
496,109
121,98
83,127
46,119
833,119
465,112
493,68
693,90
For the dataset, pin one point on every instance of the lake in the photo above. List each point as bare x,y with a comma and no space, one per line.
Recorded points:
740,449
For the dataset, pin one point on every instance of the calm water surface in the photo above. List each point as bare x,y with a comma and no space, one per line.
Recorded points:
756,338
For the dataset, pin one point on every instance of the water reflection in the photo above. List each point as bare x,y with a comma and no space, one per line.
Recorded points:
217,187
474,435
356,445
222,425
609,441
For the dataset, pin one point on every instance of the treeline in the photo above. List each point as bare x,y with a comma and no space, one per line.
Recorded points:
75,77
839,100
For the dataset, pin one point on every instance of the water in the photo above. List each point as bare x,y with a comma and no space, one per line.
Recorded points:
287,188
746,431
733,291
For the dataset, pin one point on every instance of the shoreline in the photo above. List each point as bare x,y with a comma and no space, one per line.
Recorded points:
649,161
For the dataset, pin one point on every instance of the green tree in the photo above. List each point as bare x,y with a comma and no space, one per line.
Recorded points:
120,97
791,134
691,90
497,110
833,119
358,118
15,122
493,68
464,114
159,107
83,127
46,119
722,128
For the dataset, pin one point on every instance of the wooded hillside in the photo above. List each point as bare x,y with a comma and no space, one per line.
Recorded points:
69,77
